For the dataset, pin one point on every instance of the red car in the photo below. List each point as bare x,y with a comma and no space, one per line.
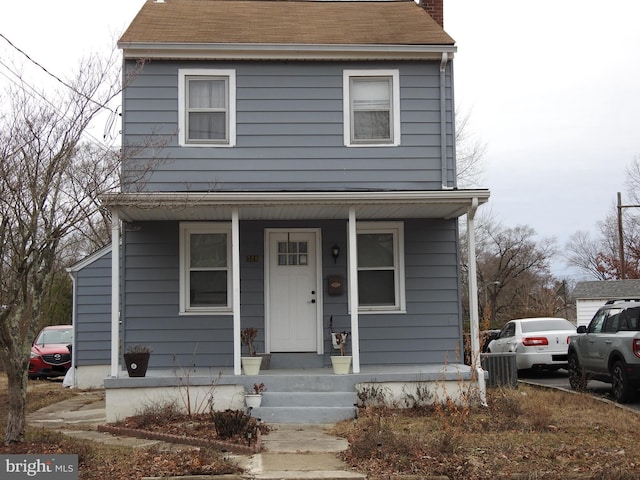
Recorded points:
51,352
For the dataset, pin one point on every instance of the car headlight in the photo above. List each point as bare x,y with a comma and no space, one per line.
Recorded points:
34,355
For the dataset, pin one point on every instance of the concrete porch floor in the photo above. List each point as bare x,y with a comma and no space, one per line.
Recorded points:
296,395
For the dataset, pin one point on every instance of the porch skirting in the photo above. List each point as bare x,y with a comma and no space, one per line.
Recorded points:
313,395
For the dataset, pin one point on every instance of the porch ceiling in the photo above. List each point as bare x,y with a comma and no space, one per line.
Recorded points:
293,205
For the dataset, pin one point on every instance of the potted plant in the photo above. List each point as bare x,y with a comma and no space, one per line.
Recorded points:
136,359
341,363
250,364
254,400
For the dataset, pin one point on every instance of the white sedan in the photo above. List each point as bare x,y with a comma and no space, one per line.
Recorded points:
537,342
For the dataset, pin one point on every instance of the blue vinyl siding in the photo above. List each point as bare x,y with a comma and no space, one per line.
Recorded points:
428,332
93,313
289,131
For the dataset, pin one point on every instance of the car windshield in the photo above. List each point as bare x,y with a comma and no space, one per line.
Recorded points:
547,325
53,336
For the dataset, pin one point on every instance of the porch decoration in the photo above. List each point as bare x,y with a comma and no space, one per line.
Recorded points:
341,364
250,364
136,359
254,400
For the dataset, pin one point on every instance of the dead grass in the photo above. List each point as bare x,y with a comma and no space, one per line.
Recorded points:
99,461
529,433
533,433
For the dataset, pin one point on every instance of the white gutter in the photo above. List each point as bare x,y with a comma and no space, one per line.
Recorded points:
473,303
443,119
115,293
275,51
163,199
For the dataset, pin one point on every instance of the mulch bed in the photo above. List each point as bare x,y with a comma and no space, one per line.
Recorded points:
196,430
182,439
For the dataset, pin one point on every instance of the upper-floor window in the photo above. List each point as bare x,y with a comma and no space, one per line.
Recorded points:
380,266
205,261
371,107
206,107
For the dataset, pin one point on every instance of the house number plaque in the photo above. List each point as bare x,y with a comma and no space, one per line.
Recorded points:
253,258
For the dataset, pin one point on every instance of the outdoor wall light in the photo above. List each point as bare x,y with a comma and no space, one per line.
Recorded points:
335,252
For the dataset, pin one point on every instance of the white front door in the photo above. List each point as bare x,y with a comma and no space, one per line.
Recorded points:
292,290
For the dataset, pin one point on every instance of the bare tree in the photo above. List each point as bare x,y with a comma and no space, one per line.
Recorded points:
599,257
514,280
470,152
48,185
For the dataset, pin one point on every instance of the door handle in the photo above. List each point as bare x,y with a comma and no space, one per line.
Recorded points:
313,301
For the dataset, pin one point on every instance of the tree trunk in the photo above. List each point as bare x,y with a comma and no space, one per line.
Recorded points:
17,375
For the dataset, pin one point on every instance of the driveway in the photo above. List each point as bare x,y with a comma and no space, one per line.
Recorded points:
560,379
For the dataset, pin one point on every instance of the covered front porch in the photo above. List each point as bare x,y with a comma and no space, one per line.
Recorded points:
294,395
411,339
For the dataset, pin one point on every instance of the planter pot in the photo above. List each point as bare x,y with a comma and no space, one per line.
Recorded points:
253,400
341,365
251,365
136,363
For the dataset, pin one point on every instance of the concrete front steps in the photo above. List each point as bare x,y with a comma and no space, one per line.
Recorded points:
308,407
319,396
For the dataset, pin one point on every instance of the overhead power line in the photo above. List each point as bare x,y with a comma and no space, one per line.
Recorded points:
53,75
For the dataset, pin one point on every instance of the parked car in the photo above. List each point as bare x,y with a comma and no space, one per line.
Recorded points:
485,338
608,349
51,352
537,342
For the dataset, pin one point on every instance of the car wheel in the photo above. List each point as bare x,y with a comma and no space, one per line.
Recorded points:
577,377
620,387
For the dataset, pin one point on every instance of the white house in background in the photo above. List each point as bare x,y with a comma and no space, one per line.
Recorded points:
590,296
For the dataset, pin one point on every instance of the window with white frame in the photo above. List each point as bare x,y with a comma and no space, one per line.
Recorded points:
381,266
205,266
206,107
371,107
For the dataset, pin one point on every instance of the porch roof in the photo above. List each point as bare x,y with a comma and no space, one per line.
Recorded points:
293,205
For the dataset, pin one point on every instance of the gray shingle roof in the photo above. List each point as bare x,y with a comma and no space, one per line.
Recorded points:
607,289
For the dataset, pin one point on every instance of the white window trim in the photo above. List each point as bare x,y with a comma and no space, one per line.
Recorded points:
397,230
186,229
395,107
183,73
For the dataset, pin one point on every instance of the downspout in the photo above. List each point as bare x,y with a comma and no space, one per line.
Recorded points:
115,293
443,118
473,302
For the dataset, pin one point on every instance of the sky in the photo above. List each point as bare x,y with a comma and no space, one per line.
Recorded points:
552,88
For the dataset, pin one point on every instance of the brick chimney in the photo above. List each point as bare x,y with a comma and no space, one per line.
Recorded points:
434,8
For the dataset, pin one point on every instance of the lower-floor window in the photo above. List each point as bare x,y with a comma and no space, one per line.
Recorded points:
205,280
380,266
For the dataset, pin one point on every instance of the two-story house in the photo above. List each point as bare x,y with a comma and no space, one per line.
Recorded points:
286,163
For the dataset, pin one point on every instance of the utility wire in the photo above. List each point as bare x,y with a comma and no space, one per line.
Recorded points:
53,75
23,84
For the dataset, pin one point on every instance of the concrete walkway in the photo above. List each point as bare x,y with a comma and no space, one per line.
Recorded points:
290,451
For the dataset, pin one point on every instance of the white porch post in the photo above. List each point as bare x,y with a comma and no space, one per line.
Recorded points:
353,290
473,302
115,293
235,275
